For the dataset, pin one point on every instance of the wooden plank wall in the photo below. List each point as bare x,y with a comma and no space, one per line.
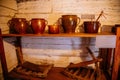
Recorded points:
57,50
7,10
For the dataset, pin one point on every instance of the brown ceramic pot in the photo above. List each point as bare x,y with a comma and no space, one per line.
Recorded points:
38,25
91,26
18,25
69,23
53,29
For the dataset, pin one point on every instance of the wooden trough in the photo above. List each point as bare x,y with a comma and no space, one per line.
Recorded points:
34,70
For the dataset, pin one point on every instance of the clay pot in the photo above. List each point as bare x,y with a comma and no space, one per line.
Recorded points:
69,23
38,25
91,26
53,29
18,25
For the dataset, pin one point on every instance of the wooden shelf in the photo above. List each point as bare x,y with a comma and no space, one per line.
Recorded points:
58,35
18,44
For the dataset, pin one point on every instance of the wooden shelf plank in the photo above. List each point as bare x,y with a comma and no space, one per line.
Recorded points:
58,35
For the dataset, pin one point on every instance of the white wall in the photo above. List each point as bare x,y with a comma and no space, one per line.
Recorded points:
57,50
7,10
79,7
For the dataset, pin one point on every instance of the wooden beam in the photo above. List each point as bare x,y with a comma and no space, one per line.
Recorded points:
116,59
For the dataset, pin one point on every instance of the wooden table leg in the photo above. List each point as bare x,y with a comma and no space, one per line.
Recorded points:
3,59
116,59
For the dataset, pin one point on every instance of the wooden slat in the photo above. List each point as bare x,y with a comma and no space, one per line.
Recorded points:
85,63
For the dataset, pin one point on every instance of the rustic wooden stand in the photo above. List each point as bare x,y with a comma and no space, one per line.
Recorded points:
116,60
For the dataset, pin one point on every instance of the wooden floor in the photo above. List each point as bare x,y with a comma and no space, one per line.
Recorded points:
54,74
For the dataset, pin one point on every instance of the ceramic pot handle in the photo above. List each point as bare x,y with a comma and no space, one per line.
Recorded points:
78,20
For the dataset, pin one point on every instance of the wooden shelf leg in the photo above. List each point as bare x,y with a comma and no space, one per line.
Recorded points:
116,59
3,59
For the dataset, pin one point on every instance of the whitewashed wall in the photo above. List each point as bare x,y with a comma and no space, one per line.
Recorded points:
53,9
59,51
7,10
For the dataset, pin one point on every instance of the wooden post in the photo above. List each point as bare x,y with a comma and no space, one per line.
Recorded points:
19,51
3,58
116,59
105,54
